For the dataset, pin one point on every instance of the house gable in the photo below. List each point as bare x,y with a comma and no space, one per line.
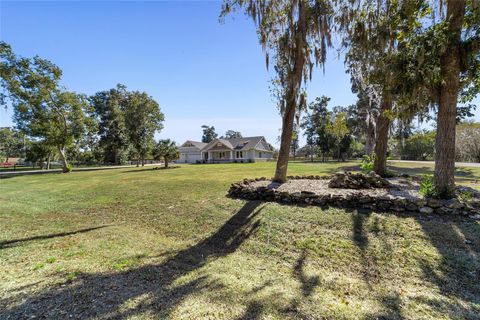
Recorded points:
218,144
262,146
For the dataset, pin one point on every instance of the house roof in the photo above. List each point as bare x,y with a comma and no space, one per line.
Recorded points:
246,143
196,144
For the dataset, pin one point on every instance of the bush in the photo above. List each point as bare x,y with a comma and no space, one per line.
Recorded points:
367,163
420,146
427,187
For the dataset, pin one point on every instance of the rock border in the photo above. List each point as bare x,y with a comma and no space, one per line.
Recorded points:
245,190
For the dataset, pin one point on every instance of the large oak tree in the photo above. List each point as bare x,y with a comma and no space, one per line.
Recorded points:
296,35
42,108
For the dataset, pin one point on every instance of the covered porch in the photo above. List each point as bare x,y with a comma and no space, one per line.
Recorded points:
218,155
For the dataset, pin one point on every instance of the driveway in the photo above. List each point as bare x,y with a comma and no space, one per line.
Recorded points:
457,164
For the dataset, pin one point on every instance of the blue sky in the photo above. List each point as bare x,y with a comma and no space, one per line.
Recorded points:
199,70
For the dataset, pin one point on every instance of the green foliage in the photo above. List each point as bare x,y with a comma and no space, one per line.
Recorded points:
11,143
465,196
142,119
419,146
38,151
109,107
209,134
367,164
42,108
167,150
339,130
427,187
232,134
314,124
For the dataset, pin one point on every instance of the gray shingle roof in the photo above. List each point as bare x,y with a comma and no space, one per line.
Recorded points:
199,145
246,143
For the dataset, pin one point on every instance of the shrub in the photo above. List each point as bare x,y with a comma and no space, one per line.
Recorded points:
427,187
367,163
465,196
420,146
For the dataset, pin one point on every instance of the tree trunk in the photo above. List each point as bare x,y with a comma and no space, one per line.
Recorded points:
381,143
369,140
48,162
166,162
65,168
294,82
447,107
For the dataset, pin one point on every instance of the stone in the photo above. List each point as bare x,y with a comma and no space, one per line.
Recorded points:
426,210
307,194
348,180
475,217
453,204
443,210
410,206
434,203
383,205
397,208
365,199
421,202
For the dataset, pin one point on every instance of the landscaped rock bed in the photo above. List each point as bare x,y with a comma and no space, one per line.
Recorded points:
366,191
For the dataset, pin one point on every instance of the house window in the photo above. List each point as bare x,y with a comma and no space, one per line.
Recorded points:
259,154
239,154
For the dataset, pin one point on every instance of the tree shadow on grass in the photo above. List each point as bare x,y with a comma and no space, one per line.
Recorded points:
457,271
16,242
371,272
308,284
152,168
151,287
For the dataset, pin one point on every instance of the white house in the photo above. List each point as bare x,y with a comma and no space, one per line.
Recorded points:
191,152
248,149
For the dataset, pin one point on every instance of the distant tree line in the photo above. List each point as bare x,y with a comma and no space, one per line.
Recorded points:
111,126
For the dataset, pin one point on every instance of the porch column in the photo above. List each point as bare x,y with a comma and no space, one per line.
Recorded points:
210,156
231,154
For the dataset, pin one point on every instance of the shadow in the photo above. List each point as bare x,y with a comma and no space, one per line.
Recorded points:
254,311
8,176
16,242
307,284
146,289
457,270
371,272
360,238
151,168
393,306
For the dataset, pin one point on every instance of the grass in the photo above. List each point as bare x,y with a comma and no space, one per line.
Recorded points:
139,243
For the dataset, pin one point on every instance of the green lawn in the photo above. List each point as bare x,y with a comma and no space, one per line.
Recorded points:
140,243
